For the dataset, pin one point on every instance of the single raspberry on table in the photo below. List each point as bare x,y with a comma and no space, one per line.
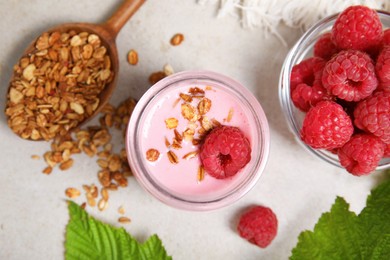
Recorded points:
357,27
361,154
324,47
225,151
382,68
373,115
326,126
350,75
258,225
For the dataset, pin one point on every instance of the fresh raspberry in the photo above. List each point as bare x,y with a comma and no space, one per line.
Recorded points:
382,68
324,47
359,28
373,115
225,151
258,225
326,126
304,72
386,37
305,96
350,75
361,154
306,86
387,151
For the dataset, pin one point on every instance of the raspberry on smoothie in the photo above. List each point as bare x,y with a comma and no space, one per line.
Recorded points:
224,150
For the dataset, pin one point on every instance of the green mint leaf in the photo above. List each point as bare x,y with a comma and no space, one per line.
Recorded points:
336,229
153,249
341,234
382,249
374,219
87,238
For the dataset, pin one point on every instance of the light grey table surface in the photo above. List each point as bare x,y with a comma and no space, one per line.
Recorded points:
297,186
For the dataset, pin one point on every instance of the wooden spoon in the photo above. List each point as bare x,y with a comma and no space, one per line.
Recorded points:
107,32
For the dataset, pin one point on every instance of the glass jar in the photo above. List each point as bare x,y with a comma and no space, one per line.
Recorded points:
178,184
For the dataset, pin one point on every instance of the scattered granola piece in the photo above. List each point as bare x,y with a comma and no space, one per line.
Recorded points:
102,204
91,201
124,220
176,144
132,57
152,155
171,122
104,193
200,173
156,77
197,92
176,102
188,134
186,97
189,112
47,170
230,115
72,193
190,155
204,106
178,136
215,122
121,210
206,123
35,157
66,165
167,143
168,70
177,39
172,157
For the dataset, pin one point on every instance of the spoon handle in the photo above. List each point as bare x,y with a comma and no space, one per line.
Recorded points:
115,23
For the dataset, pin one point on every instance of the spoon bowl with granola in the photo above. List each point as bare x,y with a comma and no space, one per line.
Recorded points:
65,77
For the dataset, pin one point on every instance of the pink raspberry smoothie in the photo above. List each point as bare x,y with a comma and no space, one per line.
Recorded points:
182,177
179,179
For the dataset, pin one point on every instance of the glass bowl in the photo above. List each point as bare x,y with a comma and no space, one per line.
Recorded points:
300,51
175,181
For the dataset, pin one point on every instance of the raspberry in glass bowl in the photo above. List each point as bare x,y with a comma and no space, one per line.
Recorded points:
315,73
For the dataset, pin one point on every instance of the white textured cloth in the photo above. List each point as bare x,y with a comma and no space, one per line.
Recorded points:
268,14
